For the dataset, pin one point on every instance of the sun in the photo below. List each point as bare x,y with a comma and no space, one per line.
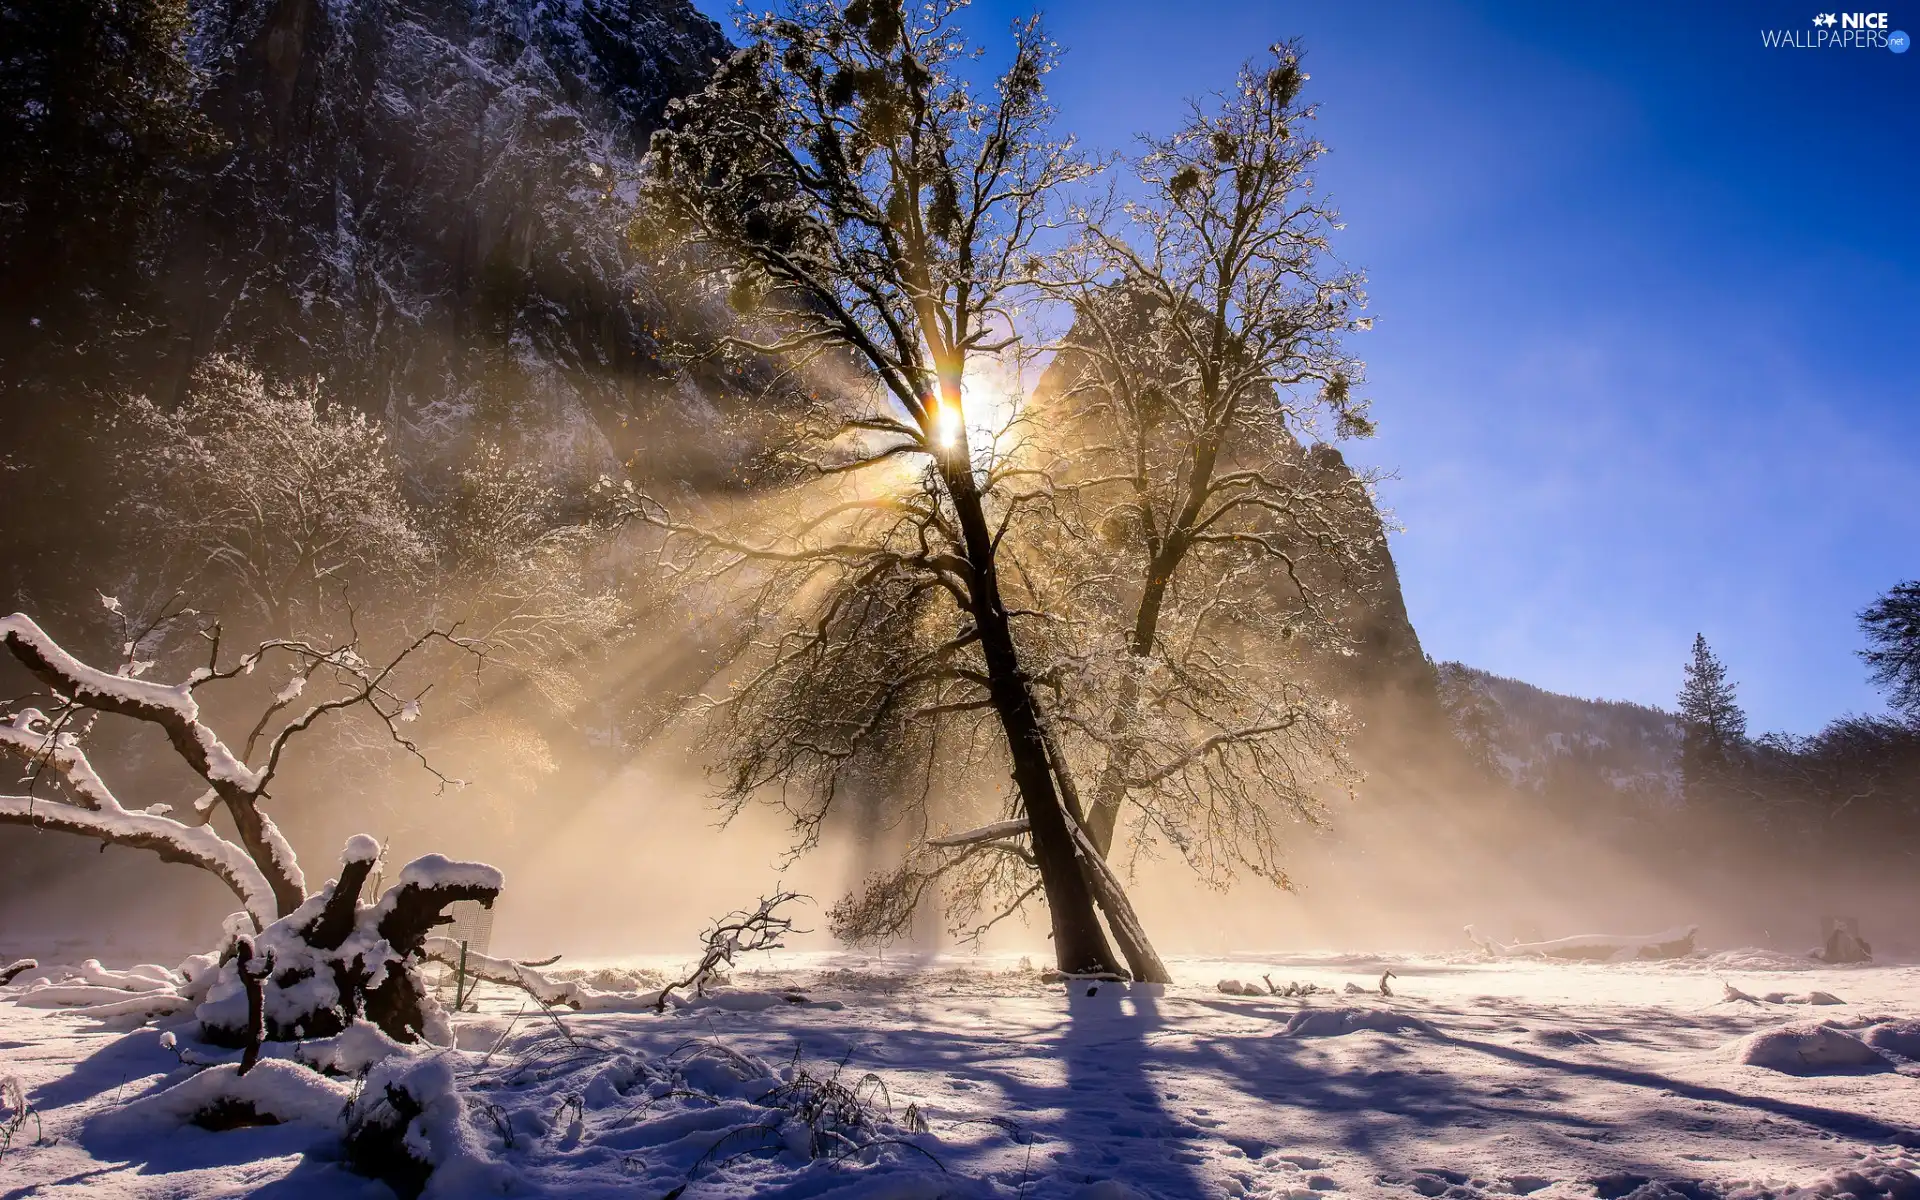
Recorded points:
985,410
947,423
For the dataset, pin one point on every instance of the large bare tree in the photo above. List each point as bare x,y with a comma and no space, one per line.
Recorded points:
1208,342
1197,557
874,217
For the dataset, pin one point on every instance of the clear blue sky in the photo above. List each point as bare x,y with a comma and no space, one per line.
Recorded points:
1647,353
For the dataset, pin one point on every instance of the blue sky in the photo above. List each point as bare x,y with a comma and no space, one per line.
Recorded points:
1648,315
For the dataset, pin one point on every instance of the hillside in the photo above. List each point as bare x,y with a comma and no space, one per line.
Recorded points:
1540,739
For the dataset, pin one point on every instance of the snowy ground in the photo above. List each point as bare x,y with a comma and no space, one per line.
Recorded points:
1476,1077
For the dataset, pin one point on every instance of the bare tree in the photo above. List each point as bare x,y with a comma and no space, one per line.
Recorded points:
866,211
48,733
263,492
1210,316
1193,542
271,500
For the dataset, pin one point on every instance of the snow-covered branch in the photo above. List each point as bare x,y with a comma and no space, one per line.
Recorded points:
261,868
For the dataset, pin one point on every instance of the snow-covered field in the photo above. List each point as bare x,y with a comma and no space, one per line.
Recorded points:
972,1077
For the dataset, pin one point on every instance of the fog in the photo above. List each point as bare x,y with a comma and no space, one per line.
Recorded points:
639,862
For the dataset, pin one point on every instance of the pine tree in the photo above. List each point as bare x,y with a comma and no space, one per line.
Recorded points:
1711,721
1892,626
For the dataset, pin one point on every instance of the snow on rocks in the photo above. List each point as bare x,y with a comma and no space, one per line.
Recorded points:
1808,1048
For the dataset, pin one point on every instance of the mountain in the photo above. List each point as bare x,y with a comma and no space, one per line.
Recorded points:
424,202
1539,740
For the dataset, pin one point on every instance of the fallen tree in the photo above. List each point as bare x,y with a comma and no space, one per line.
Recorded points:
1677,942
47,734
294,966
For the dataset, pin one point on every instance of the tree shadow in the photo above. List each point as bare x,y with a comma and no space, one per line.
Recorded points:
1106,1048
1832,1120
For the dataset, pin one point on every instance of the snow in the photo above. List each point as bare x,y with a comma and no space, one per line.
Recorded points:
1338,1022
360,848
282,1091
1510,1076
1671,943
986,833
352,1051
95,811
438,871
1476,1078
1808,1048
103,689
1898,1038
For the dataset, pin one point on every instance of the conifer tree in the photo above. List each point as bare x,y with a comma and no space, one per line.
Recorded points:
1711,720
1892,626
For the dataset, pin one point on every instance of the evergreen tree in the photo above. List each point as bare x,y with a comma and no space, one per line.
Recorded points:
1711,721
1892,626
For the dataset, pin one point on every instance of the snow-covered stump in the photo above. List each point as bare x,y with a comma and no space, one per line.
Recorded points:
334,960
1841,942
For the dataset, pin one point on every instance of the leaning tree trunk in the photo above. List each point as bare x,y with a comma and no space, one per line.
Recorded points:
1079,944
1141,957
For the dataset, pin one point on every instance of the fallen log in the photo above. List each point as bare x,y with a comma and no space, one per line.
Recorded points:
1677,942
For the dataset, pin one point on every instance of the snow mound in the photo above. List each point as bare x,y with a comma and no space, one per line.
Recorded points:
360,848
1806,1048
756,1001
1338,1022
409,1127
439,871
1886,1173
1750,958
1895,1037
275,1092
352,1051
612,978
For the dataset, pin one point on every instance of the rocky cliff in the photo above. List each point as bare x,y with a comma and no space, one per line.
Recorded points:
424,202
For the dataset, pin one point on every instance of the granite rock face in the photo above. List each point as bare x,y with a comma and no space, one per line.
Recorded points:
425,203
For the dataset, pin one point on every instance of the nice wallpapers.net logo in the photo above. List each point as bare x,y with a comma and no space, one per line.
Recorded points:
1840,31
